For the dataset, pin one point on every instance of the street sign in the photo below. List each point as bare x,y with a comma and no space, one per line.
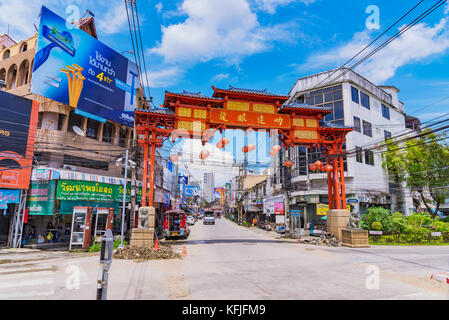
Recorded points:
352,200
107,248
298,211
183,180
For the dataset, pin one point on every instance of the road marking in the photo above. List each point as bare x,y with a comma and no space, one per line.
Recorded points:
27,294
23,283
15,276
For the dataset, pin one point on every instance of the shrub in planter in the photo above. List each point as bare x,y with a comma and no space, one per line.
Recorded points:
376,226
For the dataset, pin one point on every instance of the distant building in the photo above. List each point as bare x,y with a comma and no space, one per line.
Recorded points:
208,186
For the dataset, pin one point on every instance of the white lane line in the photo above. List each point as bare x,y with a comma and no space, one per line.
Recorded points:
23,283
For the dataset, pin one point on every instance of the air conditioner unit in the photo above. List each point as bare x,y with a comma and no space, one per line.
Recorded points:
69,167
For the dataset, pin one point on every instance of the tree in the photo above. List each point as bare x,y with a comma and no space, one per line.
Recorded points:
423,163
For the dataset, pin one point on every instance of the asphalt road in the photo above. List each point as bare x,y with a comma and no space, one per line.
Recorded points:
225,261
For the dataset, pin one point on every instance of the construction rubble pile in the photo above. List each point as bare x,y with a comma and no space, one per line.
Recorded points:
326,238
140,253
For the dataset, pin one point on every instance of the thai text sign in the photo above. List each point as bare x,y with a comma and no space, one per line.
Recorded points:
8,196
41,198
18,122
86,190
250,119
74,68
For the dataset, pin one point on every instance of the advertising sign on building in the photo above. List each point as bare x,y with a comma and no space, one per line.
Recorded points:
8,196
86,190
18,123
74,68
41,198
321,209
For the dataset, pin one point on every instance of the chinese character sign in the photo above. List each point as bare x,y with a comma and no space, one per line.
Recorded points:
250,119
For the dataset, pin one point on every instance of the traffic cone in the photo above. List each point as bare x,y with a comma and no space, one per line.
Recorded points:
184,250
299,239
156,245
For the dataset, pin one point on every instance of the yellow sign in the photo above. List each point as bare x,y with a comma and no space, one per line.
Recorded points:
321,209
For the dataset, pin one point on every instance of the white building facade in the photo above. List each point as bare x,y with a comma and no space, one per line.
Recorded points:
208,186
375,113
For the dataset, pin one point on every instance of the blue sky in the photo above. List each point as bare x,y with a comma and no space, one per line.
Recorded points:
267,44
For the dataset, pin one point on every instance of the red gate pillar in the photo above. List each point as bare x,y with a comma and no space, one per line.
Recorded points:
152,169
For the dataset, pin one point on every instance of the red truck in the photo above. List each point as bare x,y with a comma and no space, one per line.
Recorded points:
175,224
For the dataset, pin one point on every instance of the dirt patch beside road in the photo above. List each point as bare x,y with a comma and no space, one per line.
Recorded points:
141,254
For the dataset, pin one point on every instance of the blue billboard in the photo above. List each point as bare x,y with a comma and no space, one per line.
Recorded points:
74,68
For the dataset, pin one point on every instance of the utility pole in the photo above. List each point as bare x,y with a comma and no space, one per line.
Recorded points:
287,187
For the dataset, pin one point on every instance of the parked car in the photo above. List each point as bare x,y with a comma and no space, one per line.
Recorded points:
190,220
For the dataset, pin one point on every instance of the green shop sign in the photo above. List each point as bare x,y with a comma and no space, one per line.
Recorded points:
128,193
41,198
76,190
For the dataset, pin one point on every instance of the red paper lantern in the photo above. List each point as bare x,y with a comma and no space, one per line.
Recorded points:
225,141
220,145
288,163
312,166
273,153
277,148
204,154
248,148
319,164
328,168
174,158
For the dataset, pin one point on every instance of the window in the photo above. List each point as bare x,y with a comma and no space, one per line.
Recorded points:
108,129
338,110
358,154
39,120
387,135
357,124
87,163
6,54
122,140
24,47
92,128
369,157
355,94
364,100
367,129
74,120
61,120
385,112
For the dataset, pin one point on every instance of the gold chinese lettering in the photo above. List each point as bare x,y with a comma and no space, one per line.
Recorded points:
223,116
260,119
242,117
279,121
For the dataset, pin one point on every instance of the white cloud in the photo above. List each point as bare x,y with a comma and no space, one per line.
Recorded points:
270,6
215,29
114,20
165,77
159,7
220,77
217,159
417,44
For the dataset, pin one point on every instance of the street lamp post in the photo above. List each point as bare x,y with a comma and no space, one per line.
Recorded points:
124,199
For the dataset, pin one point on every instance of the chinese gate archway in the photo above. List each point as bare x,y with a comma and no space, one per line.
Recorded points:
195,116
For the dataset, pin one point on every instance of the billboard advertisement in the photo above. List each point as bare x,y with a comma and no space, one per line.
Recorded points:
74,68
321,209
18,123
192,190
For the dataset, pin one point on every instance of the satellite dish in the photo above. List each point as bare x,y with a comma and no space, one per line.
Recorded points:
78,131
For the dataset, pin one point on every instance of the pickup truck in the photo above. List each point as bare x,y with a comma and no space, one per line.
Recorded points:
209,217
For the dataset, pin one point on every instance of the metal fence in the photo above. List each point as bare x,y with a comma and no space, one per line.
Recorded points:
402,237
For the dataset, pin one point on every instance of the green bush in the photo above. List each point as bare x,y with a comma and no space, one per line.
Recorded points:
376,226
96,247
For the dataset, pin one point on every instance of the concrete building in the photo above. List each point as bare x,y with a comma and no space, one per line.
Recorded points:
375,113
208,187
59,152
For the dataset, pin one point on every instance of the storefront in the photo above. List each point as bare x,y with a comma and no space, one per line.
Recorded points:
51,204
274,208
